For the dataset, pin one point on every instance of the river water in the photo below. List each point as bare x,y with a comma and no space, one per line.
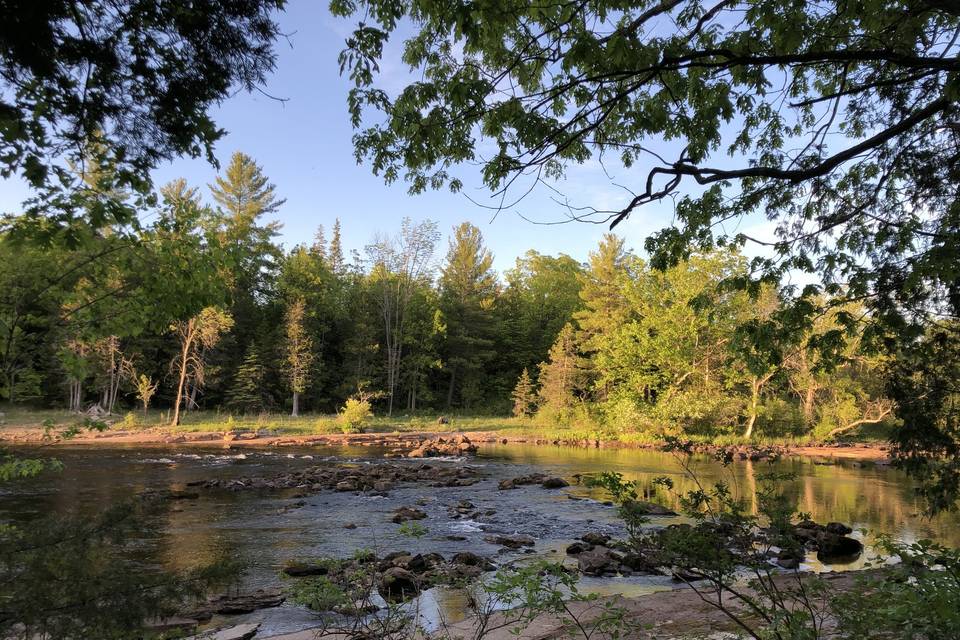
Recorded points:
266,529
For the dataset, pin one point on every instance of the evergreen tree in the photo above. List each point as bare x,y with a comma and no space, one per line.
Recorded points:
524,396
319,246
248,393
336,249
245,196
562,376
468,287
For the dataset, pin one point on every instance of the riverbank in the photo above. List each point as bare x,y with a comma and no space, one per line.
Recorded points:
676,614
403,441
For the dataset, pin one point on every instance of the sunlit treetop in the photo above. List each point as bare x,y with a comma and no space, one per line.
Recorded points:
837,120
139,77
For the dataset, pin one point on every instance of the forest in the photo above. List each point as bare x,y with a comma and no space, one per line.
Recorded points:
200,308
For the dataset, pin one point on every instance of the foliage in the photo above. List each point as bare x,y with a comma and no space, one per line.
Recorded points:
524,396
412,529
923,381
918,597
138,77
788,110
354,415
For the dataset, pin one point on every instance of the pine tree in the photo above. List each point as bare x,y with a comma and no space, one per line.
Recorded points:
336,249
524,396
468,287
562,377
247,393
319,246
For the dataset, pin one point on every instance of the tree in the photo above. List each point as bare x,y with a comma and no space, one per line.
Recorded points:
924,382
468,287
399,266
524,396
196,335
145,388
561,377
336,249
139,76
248,393
299,352
836,121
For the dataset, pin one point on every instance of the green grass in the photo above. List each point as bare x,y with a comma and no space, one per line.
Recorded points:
310,424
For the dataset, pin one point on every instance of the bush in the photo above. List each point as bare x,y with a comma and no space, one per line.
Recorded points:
354,415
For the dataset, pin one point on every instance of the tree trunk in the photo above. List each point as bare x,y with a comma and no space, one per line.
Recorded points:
754,403
178,398
809,397
296,405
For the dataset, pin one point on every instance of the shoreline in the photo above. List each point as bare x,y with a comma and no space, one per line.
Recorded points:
408,440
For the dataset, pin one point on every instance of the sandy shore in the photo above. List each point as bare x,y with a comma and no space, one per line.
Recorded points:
394,440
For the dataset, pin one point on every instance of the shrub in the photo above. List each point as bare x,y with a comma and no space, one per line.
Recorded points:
354,415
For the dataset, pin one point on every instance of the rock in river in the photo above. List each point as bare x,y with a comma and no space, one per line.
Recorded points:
404,514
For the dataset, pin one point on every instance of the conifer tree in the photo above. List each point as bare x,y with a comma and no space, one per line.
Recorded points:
468,287
562,376
524,396
247,393
336,249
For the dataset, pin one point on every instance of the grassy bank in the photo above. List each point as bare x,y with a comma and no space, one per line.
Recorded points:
19,418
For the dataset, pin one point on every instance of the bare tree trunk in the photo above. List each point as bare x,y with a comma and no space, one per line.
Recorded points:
809,398
296,405
754,403
184,359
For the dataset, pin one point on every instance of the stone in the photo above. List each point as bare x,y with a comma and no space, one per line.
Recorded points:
577,548
397,584
238,632
260,599
554,483
304,569
511,542
472,560
834,549
838,528
644,508
403,514
595,538
597,561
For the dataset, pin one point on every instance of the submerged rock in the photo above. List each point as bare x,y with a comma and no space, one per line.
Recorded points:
554,483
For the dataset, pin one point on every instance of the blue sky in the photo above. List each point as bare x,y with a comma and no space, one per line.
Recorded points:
304,146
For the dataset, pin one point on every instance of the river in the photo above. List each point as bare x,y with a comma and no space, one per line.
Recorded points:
267,529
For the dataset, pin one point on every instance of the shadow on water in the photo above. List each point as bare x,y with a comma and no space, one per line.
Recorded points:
269,528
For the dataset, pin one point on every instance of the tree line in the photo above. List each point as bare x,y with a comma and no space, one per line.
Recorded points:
201,308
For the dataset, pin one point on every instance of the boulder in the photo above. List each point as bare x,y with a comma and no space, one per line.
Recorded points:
598,561
397,584
645,508
238,632
554,483
835,549
595,538
577,548
403,514
472,560
247,603
304,569
511,542
838,528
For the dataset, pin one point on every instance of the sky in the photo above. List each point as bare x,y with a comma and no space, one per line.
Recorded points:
303,144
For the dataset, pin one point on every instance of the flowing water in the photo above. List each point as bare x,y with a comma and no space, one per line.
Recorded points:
268,528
